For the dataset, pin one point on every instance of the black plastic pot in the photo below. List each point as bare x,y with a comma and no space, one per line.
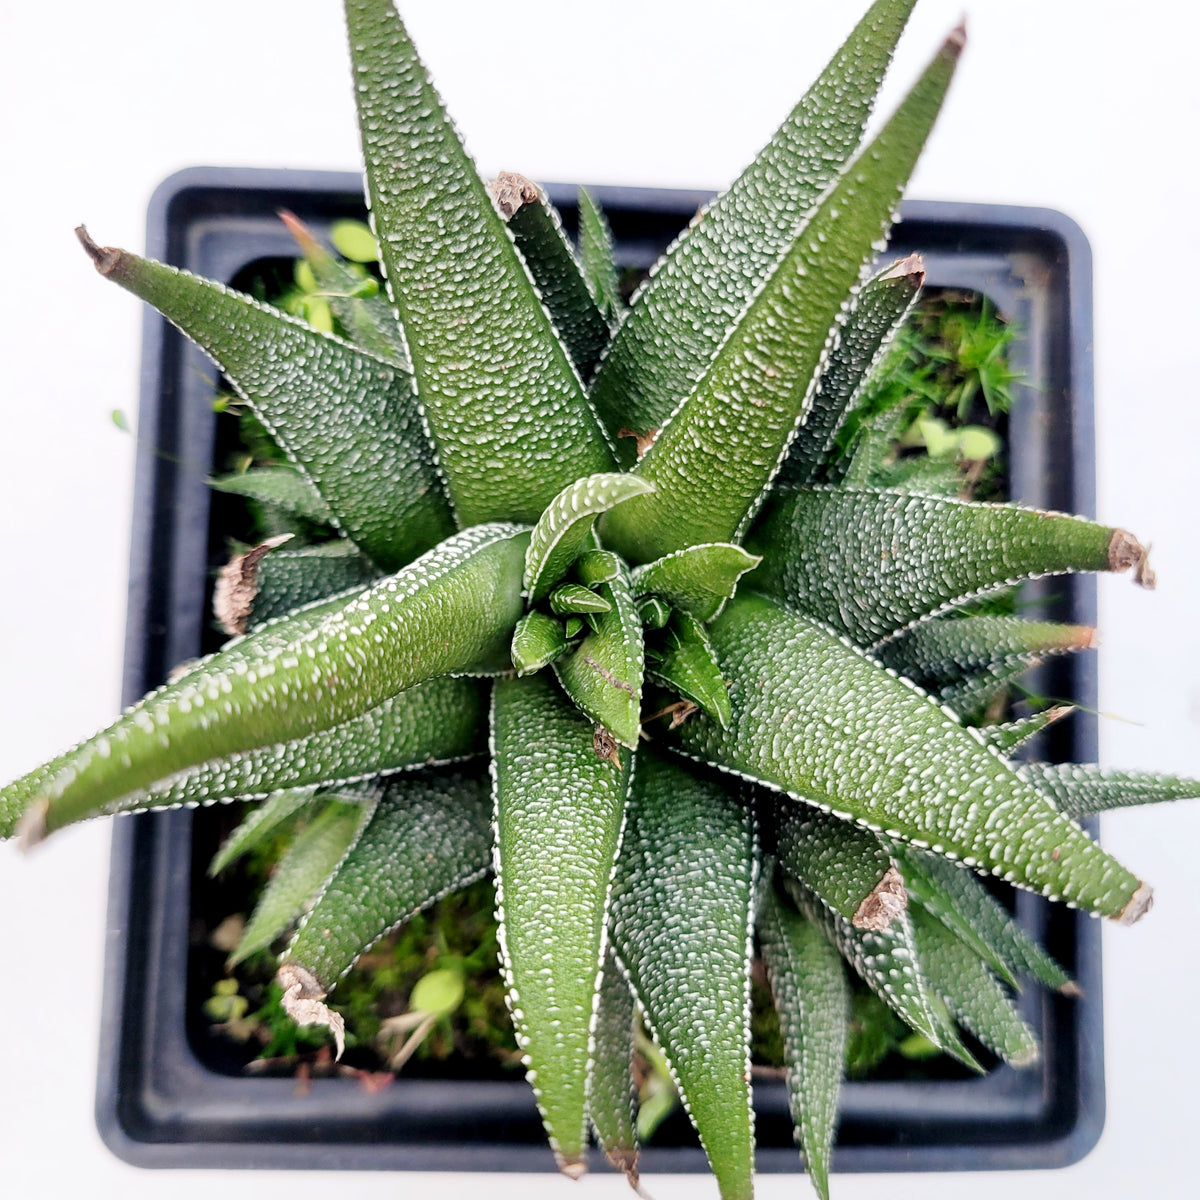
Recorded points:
159,1104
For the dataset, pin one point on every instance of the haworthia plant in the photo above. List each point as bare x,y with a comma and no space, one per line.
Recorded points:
618,553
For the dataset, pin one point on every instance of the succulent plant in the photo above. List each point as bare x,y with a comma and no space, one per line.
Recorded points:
717,662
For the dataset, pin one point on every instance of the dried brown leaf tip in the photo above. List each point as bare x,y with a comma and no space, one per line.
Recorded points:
605,746
1125,551
302,996
1140,903
911,268
511,191
237,585
885,902
106,258
644,440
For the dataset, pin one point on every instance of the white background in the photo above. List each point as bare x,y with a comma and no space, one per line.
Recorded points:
1086,106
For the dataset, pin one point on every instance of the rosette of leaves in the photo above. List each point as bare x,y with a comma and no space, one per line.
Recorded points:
598,612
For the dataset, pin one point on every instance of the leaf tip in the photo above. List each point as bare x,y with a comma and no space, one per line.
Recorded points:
1138,905
237,586
1124,552
301,232
1072,989
106,258
910,270
302,996
511,192
31,827
883,904
572,1168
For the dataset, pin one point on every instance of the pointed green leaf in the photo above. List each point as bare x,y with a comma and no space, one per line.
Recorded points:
603,675
559,810
350,422
1012,735
368,320
819,720
260,822
430,834
953,649
886,961
844,865
975,999
698,580
610,1085
961,902
504,403
596,254
881,308
575,598
682,930
289,579
654,612
301,873
681,315
281,486
593,567
683,661
1085,789
439,721
572,626
809,986
871,563
537,641
715,457
563,530
453,610
536,228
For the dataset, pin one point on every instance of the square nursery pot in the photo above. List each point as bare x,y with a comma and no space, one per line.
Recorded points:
163,1100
